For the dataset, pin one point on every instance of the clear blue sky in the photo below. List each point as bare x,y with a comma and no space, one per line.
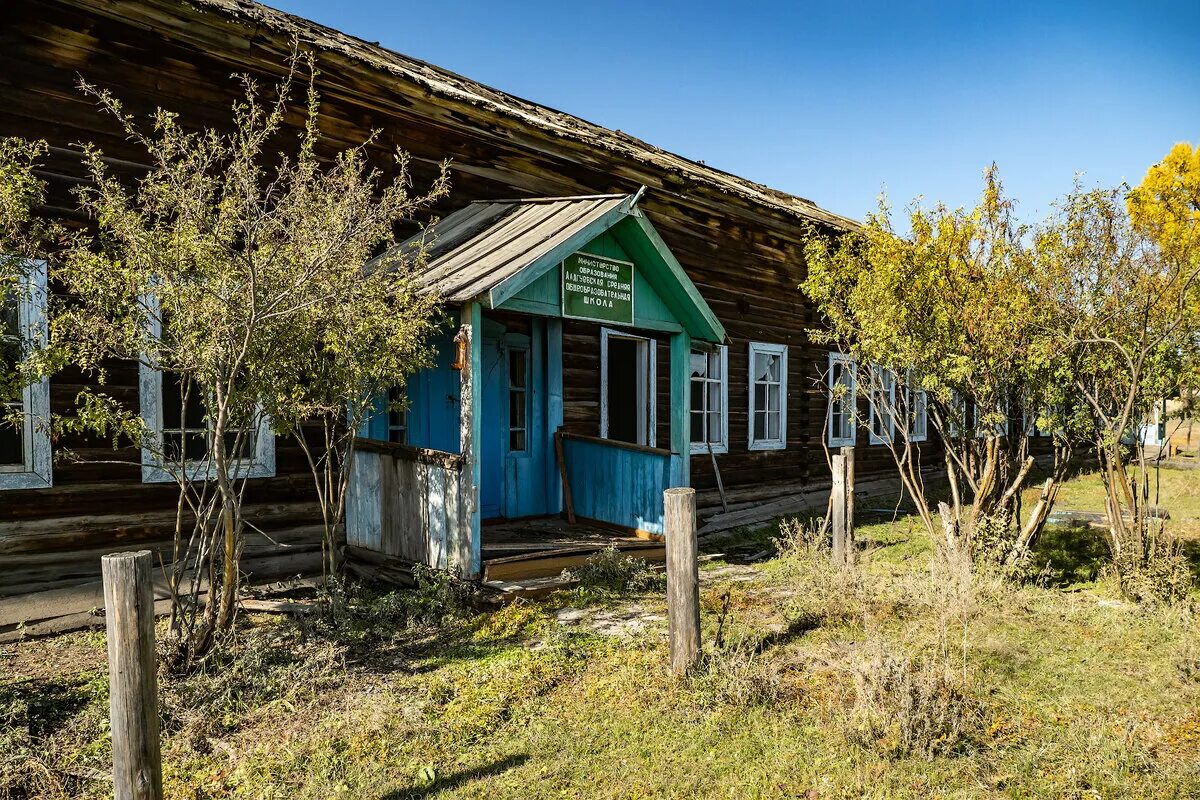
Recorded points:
832,102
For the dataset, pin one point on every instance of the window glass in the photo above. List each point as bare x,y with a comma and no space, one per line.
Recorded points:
708,395
397,417
767,395
518,377
12,434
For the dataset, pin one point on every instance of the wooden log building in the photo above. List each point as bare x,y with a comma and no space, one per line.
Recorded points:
751,397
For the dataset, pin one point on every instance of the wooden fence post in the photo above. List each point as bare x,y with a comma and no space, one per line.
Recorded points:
837,506
133,684
683,578
848,461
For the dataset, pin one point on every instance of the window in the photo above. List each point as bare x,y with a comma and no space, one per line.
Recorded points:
768,396
518,400
397,430
174,412
883,405
1032,424
25,461
916,406
627,380
840,381
710,393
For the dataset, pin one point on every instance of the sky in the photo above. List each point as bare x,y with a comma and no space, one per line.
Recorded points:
837,103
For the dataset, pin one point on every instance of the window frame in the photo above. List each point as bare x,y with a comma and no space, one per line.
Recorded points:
647,393
847,362
393,395
150,399
37,468
701,448
872,437
922,402
526,394
767,348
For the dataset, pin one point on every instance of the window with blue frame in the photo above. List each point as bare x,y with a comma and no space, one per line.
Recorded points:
518,400
397,429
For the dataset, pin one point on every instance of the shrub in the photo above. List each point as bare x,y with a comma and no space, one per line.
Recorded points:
908,706
801,538
1150,566
738,676
361,612
612,572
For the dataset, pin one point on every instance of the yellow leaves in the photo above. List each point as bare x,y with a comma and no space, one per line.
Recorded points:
1166,205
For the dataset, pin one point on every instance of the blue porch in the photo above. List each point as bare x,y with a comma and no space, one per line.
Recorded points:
477,443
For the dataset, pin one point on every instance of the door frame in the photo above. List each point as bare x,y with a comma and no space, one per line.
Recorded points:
647,382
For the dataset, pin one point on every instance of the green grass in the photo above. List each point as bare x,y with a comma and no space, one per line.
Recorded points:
1072,693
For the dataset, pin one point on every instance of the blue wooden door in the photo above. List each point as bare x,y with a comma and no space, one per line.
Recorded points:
526,442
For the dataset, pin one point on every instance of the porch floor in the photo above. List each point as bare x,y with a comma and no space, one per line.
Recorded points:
544,546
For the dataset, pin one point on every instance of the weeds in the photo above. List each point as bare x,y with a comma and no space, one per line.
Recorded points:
1149,565
611,572
905,706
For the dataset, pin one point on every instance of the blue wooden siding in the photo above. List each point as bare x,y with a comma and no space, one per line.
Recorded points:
617,484
434,397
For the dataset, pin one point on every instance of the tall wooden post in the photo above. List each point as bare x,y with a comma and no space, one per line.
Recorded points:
133,684
466,552
848,461
683,578
837,506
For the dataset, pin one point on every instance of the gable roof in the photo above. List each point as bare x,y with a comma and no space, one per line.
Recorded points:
478,247
491,250
443,83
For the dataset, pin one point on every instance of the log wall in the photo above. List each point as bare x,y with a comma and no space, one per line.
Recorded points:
741,243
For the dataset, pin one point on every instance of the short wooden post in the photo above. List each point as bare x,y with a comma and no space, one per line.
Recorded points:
133,684
837,506
683,579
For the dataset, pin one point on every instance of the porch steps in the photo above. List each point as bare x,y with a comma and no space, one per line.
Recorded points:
551,563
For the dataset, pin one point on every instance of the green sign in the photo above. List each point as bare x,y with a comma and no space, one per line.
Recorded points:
597,288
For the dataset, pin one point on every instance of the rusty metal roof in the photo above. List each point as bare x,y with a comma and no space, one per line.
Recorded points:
484,244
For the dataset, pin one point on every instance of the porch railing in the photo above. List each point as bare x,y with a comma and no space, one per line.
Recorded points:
405,502
616,482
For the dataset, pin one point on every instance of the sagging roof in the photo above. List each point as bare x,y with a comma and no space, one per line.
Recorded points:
444,83
482,245
490,250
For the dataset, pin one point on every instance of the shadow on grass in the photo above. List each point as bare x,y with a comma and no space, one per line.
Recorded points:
457,779
1070,555
49,705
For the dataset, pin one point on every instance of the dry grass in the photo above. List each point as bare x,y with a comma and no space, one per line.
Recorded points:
885,681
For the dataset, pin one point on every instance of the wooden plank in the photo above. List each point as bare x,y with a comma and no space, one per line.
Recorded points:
681,392
564,477
837,505
466,550
555,561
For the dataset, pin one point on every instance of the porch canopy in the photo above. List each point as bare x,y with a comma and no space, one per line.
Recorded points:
595,258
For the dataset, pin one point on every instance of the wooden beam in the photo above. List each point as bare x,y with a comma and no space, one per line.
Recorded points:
132,675
681,392
466,551
683,579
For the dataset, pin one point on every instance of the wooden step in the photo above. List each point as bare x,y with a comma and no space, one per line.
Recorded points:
549,563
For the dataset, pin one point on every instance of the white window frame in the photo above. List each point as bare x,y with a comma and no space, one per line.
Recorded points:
918,430
723,445
851,396
150,393
780,350
37,469
877,370
647,383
